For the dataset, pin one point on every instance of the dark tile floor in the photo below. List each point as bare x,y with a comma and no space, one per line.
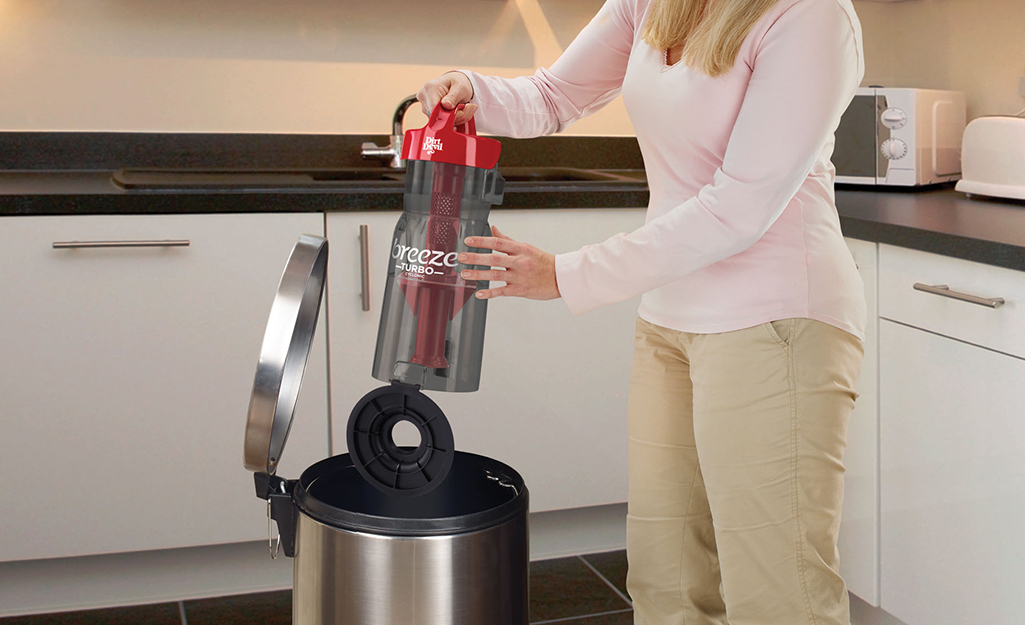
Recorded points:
585,590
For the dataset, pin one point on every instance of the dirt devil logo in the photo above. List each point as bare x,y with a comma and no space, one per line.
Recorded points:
432,145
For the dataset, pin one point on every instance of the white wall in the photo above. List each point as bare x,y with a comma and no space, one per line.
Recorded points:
975,46
340,66
317,66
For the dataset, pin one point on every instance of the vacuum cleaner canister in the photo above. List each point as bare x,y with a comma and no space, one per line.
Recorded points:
431,333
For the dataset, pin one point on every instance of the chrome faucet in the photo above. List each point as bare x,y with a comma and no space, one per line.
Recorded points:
393,151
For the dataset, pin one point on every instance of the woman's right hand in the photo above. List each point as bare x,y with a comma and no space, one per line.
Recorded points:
451,89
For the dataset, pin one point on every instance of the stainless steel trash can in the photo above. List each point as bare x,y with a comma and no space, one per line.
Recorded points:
455,555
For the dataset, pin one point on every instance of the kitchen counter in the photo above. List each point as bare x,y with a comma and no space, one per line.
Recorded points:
70,173
937,219
94,192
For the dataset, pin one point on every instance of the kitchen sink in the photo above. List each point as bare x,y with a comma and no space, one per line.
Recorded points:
556,174
346,177
198,179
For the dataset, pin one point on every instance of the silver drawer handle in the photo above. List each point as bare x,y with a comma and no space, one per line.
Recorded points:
65,245
364,265
944,290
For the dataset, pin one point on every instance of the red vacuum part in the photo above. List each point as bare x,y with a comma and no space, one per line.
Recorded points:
436,297
437,294
441,141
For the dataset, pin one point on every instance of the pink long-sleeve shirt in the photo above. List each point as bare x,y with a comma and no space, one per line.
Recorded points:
741,227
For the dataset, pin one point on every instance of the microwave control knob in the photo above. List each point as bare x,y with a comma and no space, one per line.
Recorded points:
894,118
894,149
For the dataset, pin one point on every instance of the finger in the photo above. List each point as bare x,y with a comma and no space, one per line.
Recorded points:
453,98
498,233
493,243
424,100
489,275
449,96
429,95
458,89
491,260
500,291
465,114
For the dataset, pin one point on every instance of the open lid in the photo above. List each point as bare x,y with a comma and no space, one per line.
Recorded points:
286,348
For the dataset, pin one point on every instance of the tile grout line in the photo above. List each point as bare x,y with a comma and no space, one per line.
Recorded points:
607,582
181,612
582,616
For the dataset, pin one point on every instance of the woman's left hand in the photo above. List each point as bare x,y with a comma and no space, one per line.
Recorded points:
527,271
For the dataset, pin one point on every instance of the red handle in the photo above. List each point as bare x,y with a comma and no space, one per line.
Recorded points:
442,118
441,141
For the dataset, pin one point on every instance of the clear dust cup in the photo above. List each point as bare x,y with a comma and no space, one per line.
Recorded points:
431,333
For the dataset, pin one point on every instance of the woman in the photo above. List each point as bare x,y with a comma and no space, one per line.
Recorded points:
748,342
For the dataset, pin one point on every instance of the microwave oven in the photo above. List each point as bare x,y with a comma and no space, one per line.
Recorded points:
900,137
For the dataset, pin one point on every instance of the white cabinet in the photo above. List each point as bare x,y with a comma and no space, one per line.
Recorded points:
553,392
859,527
125,376
353,331
952,442
1001,329
953,480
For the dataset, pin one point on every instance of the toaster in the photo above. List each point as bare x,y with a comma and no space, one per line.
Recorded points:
993,157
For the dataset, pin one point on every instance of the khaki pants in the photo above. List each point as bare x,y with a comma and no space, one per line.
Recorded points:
736,474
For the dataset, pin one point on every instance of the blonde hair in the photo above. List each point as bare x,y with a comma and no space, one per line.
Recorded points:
711,31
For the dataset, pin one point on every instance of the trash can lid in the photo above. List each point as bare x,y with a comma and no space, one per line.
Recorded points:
286,348
405,471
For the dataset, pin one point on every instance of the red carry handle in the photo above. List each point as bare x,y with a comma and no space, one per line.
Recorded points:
443,119
442,141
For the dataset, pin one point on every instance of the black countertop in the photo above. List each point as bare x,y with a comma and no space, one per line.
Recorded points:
95,193
938,219
69,173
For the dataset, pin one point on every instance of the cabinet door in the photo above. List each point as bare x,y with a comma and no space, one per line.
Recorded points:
552,400
903,273
952,480
353,329
125,377
553,392
859,527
